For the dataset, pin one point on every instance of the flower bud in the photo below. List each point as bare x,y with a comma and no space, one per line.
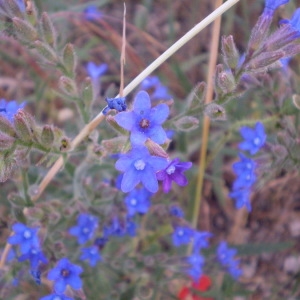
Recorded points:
69,59
264,60
68,86
279,151
45,51
186,123
225,81
48,30
230,52
7,127
47,136
25,31
156,149
24,125
6,141
31,11
114,145
259,33
215,112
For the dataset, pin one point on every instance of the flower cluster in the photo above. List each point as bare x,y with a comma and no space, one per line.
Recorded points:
244,169
184,235
30,248
226,258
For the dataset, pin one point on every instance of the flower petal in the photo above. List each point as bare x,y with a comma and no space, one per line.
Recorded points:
130,179
137,137
159,114
157,134
125,119
142,102
179,178
123,163
149,180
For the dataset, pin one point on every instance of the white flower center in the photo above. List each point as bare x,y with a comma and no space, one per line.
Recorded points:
140,165
249,166
133,202
27,234
256,141
85,230
180,232
171,170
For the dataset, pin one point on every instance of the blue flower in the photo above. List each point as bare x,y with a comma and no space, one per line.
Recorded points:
139,166
254,138
159,91
96,71
174,172
91,254
92,13
100,242
34,255
195,270
120,228
85,228
242,198
144,122
200,240
176,211
137,201
24,236
9,108
226,258
65,273
150,82
272,5
56,297
244,165
119,104
21,5
182,235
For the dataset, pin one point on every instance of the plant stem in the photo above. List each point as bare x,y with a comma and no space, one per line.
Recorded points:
206,121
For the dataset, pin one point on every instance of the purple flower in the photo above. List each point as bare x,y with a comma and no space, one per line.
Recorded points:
254,139
96,71
226,258
92,13
182,235
24,236
91,254
85,228
9,108
21,5
139,166
144,122
65,273
138,201
195,270
56,297
174,172
34,255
